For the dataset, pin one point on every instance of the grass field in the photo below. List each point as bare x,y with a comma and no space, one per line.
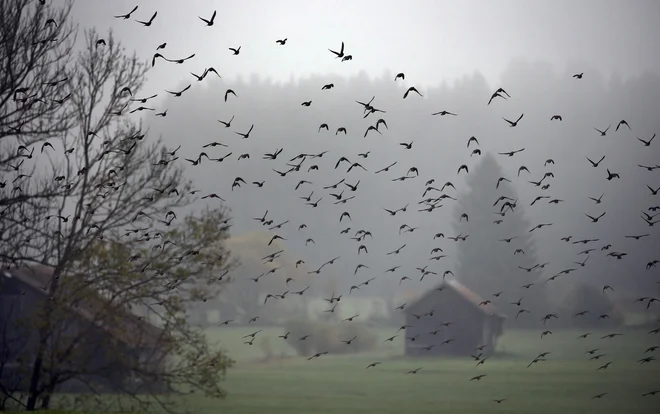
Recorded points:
565,383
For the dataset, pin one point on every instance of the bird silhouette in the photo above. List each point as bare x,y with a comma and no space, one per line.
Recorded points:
210,21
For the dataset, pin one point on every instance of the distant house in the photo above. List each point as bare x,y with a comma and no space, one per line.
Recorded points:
120,332
472,324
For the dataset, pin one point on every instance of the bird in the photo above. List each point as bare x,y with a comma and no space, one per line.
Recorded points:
595,219
611,175
597,200
127,15
498,94
647,143
247,134
178,94
229,91
514,123
595,164
339,54
210,21
603,132
46,145
148,22
622,122
228,123
411,89
512,153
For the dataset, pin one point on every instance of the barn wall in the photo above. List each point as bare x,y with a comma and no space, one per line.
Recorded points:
15,308
92,354
467,325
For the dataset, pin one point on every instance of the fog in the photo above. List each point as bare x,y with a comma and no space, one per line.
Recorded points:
429,40
438,150
456,69
504,151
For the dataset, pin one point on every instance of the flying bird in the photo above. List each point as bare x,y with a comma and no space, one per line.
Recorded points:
127,15
411,89
210,21
514,123
339,54
148,22
229,91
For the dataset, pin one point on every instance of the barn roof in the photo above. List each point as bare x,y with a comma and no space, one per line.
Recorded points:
465,293
125,325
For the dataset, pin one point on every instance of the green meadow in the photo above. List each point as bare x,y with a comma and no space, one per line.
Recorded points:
564,383
269,378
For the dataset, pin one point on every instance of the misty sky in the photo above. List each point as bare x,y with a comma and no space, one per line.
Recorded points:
431,41
457,54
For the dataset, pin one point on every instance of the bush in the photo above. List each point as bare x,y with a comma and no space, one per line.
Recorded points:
324,336
586,297
266,348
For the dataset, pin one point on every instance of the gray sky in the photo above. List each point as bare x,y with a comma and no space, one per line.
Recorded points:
529,48
431,41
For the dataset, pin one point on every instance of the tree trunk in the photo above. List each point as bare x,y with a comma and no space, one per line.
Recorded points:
45,401
49,391
33,393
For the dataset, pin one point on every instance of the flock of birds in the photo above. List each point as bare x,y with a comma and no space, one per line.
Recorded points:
347,191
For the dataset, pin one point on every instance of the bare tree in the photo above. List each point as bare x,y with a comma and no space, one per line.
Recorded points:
35,45
103,168
108,234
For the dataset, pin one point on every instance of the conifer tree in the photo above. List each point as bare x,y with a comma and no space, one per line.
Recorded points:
489,260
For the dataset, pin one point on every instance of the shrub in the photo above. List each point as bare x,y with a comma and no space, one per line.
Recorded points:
365,340
298,329
586,297
266,348
324,336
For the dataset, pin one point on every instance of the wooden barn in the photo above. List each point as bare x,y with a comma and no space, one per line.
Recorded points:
449,320
118,332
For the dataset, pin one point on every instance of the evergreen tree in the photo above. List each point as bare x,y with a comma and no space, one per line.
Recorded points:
486,261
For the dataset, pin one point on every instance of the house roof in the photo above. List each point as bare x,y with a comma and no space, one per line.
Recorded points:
465,293
121,323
